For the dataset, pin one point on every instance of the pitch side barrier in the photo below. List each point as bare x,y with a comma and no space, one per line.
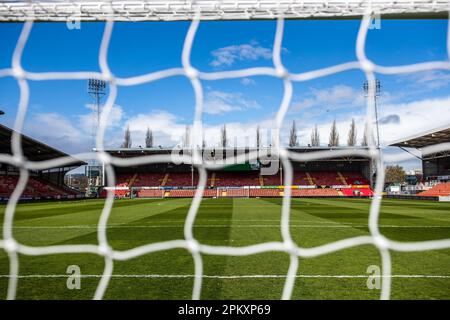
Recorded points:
411,197
4,200
310,191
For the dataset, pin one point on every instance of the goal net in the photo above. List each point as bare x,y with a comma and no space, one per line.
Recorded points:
30,12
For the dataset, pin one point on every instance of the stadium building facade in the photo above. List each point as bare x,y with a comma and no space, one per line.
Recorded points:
436,164
261,177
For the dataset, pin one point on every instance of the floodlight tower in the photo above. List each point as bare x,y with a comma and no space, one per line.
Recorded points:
377,88
97,90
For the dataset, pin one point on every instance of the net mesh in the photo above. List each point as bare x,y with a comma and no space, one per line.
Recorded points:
123,10
375,238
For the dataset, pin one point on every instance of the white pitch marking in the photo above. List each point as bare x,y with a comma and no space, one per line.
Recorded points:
257,276
225,226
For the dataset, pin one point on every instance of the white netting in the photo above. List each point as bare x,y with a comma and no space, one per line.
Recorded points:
13,248
131,10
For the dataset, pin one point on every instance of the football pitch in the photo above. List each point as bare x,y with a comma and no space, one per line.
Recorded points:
229,222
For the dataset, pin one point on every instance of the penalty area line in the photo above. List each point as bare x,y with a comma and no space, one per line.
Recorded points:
252,276
232,226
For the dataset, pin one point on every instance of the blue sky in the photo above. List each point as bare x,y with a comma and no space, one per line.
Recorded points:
59,111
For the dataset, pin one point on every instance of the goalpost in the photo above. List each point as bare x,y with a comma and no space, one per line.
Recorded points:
31,12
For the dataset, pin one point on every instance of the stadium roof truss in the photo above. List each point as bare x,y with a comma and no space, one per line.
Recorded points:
32,149
136,152
425,139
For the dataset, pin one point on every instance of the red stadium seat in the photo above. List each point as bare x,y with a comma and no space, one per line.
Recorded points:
319,192
150,193
441,189
237,179
265,192
241,192
36,188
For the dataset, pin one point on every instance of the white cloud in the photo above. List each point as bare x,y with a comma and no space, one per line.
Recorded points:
58,131
227,56
410,119
217,102
88,121
415,117
247,81
65,133
167,128
430,80
332,98
72,135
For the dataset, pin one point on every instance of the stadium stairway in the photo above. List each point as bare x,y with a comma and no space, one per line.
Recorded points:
342,178
213,179
165,179
132,180
309,178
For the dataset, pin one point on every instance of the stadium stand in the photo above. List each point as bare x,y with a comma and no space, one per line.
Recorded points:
180,193
237,179
358,192
270,180
243,180
179,179
36,188
209,193
319,192
149,179
302,179
354,178
265,192
324,178
45,184
241,192
150,193
441,189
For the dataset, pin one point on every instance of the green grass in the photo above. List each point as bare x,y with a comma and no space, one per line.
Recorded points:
229,222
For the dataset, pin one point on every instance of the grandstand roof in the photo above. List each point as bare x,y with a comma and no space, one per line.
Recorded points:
135,152
32,149
423,139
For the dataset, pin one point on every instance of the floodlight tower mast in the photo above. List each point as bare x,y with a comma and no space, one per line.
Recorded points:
376,95
97,90
377,88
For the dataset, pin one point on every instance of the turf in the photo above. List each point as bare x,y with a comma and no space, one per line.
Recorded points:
229,222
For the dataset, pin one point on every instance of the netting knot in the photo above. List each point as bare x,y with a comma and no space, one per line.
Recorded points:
105,250
367,66
191,73
11,245
290,247
18,160
104,157
18,73
109,77
381,242
281,72
193,246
